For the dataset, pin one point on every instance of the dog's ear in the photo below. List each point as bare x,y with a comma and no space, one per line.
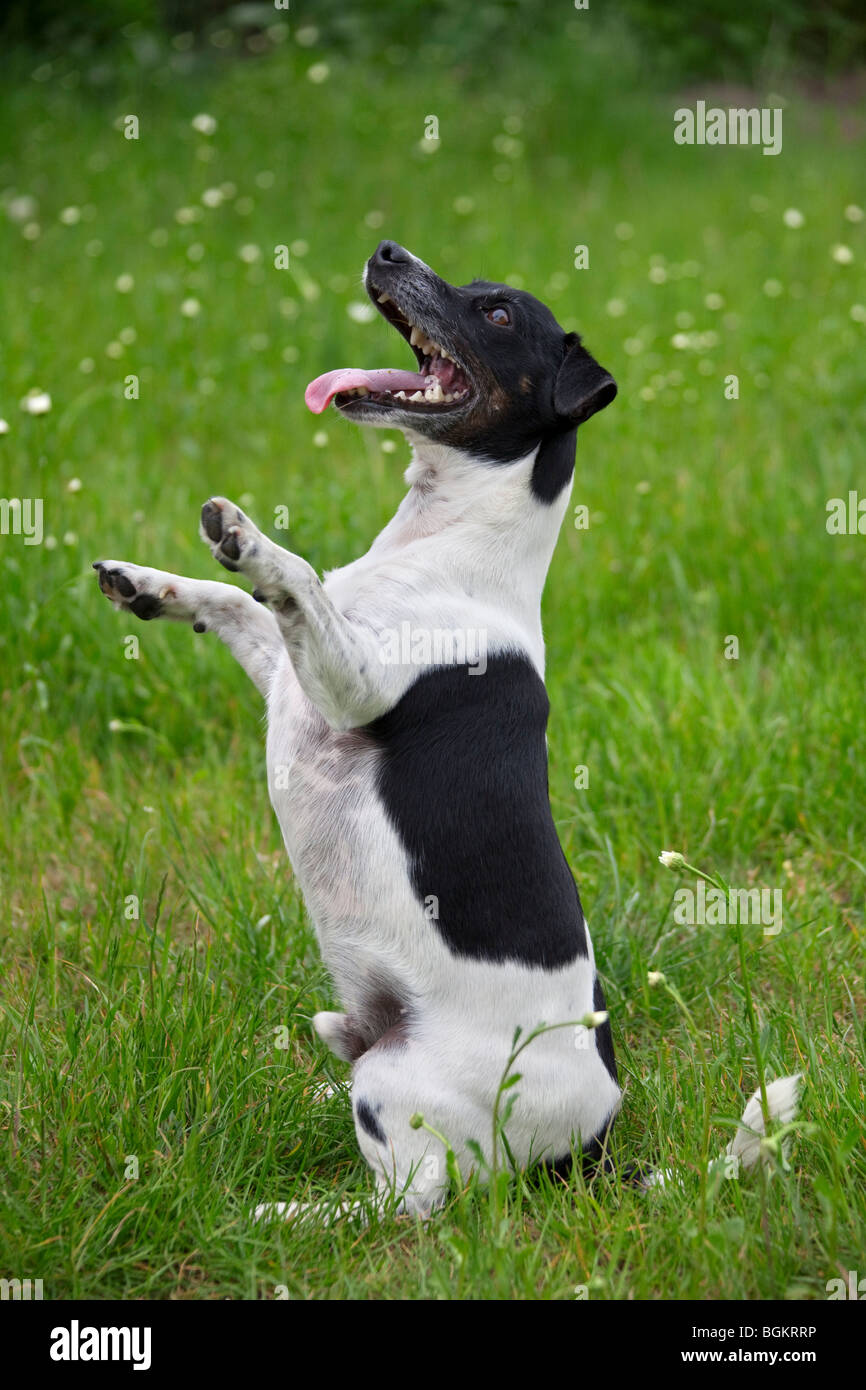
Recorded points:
582,387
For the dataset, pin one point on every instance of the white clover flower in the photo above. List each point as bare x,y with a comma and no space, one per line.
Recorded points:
853,213
22,208
250,253
299,247
595,1019
74,485
714,301
671,858
858,313
36,402
388,446
124,283
793,217
115,725
319,72
4,426
70,538
842,255
212,197
655,977
361,313
69,216
773,288
204,124
616,308
680,341
658,274
320,439
190,308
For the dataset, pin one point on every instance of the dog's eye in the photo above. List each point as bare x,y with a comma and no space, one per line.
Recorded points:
499,316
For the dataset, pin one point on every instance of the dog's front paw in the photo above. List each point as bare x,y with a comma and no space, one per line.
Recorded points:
230,535
134,589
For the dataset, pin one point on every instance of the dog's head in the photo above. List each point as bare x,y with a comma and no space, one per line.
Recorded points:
496,374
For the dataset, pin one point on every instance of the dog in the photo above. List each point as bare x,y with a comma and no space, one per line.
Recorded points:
409,771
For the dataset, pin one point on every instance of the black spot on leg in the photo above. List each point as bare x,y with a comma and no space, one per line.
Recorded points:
212,521
124,586
199,627
146,606
368,1121
603,1036
259,596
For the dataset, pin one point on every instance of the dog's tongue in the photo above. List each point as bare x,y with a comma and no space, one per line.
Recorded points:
322,391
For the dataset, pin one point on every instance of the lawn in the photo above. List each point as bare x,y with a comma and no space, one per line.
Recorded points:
159,1072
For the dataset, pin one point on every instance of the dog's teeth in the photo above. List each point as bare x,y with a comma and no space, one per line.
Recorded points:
434,391
417,396
362,390
384,299
399,395
416,337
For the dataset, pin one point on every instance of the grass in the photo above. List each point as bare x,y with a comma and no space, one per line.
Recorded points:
159,1070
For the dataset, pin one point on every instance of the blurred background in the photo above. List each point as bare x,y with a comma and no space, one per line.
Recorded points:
188,193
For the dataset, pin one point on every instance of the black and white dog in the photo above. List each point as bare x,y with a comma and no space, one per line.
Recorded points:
408,767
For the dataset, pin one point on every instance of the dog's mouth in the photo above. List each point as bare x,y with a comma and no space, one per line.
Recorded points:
440,385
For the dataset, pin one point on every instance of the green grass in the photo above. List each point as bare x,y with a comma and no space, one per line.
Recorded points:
156,1038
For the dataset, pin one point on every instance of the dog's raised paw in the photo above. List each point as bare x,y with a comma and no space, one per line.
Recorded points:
133,589
227,531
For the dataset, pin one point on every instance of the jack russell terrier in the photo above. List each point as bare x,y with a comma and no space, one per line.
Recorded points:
410,778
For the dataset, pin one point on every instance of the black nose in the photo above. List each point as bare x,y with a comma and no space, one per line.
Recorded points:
390,253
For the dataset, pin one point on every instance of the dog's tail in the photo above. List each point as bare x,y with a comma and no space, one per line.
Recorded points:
747,1146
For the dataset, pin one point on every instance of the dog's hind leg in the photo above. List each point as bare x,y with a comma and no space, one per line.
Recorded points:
337,662
249,631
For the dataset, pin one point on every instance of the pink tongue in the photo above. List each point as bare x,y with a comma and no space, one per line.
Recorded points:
322,391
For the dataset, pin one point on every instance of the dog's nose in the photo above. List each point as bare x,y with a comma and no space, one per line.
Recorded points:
390,253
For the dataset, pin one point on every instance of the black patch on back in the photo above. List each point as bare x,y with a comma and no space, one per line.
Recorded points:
554,465
603,1035
368,1121
463,777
